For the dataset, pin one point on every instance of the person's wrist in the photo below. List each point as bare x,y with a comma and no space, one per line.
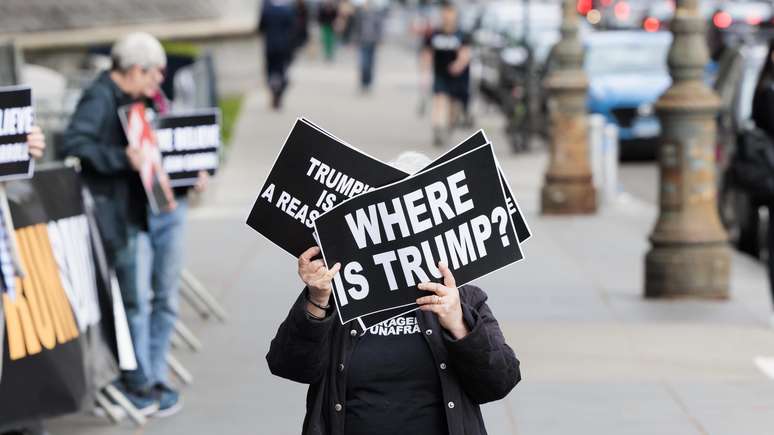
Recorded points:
458,329
318,297
315,312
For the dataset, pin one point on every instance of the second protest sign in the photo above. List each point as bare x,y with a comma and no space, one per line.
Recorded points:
391,239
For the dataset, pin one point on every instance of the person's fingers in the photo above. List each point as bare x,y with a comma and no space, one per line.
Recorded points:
448,277
333,271
35,151
433,287
315,266
425,300
36,138
307,255
432,300
431,308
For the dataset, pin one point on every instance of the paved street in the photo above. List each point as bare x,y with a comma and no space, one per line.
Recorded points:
596,357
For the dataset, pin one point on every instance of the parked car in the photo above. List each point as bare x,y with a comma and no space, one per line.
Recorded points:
739,70
728,23
622,14
627,73
660,13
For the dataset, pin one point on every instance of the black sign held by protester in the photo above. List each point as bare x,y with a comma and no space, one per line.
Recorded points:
391,239
521,227
312,173
189,143
475,141
16,121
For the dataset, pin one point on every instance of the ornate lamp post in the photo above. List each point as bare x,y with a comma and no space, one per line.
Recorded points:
568,185
689,254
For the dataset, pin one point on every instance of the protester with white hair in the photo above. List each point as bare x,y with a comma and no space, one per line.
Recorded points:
110,170
424,372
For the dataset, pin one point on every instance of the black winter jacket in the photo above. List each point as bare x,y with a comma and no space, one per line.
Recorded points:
477,369
96,137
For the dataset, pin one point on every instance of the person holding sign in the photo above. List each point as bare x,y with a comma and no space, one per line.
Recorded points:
110,170
424,372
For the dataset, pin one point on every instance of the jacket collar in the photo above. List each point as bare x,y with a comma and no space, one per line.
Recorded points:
121,96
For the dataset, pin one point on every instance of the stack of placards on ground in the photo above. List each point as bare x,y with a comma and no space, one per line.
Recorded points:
387,228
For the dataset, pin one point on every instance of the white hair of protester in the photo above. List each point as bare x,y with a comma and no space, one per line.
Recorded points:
411,162
138,49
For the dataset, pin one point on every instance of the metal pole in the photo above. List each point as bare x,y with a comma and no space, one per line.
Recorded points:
568,187
689,254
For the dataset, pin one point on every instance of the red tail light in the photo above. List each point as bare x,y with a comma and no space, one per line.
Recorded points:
651,24
722,20
584,6
753,20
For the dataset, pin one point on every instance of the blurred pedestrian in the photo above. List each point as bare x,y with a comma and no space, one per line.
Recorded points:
301,29
344,21
110,170
425,372
326,17
278,22
447,55
369,23
763,196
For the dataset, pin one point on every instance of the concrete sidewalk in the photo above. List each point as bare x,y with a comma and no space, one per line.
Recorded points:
596,357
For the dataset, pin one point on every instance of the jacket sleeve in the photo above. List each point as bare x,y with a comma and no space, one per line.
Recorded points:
301,349
82,137
487,367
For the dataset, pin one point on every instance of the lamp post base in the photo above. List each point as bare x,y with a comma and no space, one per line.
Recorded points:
563,197
691,270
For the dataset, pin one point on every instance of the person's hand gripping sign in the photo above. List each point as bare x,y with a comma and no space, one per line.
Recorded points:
445,303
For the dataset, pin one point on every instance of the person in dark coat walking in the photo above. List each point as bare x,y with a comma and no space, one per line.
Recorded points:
425,372
301,30
278,25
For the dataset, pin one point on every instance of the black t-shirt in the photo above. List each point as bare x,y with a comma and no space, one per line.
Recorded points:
392,383
446,48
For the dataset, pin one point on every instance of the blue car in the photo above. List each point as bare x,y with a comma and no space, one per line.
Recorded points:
627,73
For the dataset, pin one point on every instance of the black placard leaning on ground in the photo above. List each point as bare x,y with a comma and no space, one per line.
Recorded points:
16,121
390,239
189,143
312,173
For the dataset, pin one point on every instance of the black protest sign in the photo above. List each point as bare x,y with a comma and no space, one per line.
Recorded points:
312,173
189,143
391,239
522,230
475,141
45,351
16,121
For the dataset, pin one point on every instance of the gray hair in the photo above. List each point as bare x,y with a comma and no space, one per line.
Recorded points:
138,49
411,162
